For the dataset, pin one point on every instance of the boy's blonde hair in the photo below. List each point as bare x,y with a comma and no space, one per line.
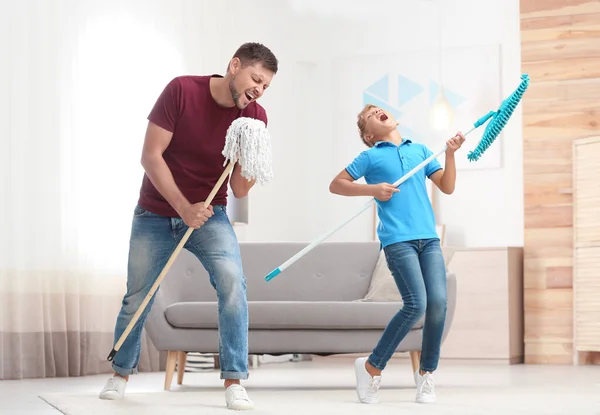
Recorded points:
362,124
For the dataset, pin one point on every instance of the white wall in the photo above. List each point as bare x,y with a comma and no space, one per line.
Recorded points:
487,206
308,36
289,103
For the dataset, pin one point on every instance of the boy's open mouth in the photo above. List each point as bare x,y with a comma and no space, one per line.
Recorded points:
383,117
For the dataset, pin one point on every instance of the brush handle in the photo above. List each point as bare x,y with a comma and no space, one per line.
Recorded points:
364,207
167,266
316,242
436,155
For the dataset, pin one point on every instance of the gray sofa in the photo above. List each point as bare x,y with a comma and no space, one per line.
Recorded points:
313,307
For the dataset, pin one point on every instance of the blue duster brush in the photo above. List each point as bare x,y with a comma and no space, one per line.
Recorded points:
501,117
498,118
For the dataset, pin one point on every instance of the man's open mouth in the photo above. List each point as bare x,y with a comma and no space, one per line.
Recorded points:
249,96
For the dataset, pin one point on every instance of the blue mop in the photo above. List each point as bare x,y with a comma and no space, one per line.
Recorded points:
499,119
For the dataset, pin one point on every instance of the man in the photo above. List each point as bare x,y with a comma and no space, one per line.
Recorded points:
408,237
182,158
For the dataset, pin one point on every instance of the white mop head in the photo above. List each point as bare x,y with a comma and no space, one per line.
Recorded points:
248,142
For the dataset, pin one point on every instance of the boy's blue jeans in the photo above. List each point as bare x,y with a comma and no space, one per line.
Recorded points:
153,240
420,273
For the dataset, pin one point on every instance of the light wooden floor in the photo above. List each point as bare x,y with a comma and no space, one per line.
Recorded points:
462,387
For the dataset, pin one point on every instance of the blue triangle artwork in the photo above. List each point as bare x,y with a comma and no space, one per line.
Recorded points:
378,94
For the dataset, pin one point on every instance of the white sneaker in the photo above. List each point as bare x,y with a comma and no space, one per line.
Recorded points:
114,389
367,386
425,388
237,398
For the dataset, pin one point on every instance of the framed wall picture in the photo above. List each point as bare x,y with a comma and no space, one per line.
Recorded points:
406,84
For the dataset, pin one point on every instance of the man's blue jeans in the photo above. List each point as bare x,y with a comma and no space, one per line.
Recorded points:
153,240
420,273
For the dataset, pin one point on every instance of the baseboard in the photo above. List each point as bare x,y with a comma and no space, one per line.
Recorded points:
400,355
516,360
405,358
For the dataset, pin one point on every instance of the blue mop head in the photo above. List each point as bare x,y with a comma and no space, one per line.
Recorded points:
499,120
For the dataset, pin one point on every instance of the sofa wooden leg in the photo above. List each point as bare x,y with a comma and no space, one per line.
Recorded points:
415,359
181,359
170,369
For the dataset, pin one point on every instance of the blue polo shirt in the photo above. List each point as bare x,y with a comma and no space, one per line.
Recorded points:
408,215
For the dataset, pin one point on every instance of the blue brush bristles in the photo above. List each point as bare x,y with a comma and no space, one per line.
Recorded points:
499,120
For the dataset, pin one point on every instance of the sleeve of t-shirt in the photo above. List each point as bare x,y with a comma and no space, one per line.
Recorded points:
359,166
167,107
433,166
261,114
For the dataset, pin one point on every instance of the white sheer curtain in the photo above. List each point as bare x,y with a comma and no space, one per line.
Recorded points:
77,80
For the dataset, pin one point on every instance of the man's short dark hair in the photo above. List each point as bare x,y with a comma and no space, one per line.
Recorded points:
252,52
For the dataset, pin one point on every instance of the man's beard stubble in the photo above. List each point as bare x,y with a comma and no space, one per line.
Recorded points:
235,95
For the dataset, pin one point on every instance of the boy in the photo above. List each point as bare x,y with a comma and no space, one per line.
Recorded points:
408,237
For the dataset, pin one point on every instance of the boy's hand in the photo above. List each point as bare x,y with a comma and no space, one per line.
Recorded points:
454,143
384,191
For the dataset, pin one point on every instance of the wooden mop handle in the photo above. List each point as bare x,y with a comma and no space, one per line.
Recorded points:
167,266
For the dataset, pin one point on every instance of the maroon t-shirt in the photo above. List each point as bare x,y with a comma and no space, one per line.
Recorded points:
187,109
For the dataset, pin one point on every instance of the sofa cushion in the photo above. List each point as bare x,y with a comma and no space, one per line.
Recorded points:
383,286
292,315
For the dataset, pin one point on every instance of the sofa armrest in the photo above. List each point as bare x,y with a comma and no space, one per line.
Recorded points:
157,327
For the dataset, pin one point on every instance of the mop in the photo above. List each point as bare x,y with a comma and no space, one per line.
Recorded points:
493,129
247,142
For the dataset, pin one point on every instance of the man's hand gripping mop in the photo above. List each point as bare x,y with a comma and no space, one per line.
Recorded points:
499,119
247,142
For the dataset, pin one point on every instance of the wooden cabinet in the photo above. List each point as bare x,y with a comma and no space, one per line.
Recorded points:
586,246
488,321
